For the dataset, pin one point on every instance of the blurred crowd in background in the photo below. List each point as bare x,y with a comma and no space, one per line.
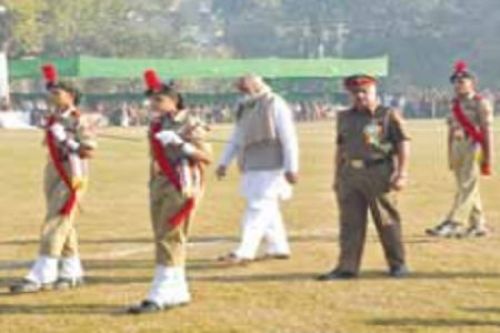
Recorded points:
420,104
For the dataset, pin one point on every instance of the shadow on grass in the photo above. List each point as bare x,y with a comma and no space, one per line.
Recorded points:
138,240
370,275
117,264
218,239
98,279
257,278
434,323
61,309
147,264
90,280
483,310
36,241
284,277
89,265
93,266
432,275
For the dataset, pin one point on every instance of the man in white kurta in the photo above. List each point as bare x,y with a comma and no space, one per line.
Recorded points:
265,141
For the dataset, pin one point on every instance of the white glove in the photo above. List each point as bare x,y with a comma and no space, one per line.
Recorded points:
188,149
58,131
61,136
72,144
169,137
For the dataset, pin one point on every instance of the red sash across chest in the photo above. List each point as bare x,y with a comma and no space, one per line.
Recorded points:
160,157
170,173
472,131
468,126
57,159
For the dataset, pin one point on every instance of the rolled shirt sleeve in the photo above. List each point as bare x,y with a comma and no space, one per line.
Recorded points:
397,128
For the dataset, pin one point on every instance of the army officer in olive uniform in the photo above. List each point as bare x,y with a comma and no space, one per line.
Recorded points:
370,168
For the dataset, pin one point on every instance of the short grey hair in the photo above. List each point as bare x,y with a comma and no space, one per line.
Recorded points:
257,82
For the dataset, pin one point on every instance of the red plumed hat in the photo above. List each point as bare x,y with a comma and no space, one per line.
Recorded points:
461,66
153,82
461,71
50,75
155,86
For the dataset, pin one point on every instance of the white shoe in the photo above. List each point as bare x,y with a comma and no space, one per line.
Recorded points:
169,287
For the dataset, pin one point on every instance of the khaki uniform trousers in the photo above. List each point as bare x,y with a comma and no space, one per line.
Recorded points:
363,190
467,207
59,237
170,241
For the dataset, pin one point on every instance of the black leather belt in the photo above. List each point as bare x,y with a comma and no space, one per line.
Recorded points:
365,164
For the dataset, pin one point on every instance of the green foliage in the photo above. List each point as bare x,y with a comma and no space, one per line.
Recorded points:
422,37
25,28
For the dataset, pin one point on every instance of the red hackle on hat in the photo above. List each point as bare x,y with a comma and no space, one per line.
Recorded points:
49,74
461,66
152,81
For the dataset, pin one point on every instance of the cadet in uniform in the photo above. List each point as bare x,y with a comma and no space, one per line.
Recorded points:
178,159
371,167
70,145
470,154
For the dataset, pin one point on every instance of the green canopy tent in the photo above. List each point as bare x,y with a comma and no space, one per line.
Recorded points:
85,67
281,72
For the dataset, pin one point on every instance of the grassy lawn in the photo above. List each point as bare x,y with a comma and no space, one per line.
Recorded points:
454,287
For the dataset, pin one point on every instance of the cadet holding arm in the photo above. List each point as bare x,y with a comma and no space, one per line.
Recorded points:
178,158
69,145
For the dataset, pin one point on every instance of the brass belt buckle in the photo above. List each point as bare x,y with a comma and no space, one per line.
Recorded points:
357,164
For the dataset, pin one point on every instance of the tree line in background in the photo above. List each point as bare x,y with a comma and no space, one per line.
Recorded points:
422,37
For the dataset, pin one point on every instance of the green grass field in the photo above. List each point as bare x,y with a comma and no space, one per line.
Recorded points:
454,287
